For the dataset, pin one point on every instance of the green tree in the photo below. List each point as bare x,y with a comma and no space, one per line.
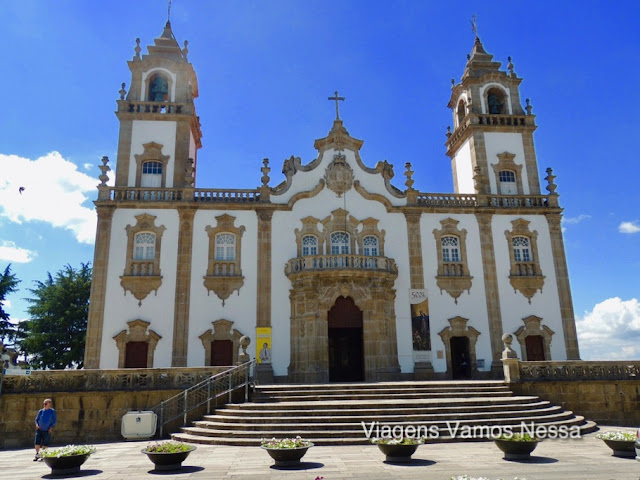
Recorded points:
8,284
54,335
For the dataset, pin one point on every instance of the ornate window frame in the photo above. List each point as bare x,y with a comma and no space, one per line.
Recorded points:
458,328
505,162
309,227
131,280
370,229
224,276
138,332
221,331
525,277
452,277
532,326
152,153
340,221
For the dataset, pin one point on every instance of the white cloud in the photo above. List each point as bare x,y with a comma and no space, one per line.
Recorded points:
54,192
575,220
611,331
10,252
629,227
6,303
88,166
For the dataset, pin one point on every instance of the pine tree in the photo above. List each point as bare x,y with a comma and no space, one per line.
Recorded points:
8,284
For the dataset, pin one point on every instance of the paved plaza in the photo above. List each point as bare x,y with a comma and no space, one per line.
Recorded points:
579,459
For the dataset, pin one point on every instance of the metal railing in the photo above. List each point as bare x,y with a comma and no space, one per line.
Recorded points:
214,387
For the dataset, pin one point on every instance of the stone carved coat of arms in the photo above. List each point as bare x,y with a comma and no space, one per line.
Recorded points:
339,175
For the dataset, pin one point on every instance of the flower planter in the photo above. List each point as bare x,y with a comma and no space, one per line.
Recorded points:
621,448
516,450
286,457
168,460
65,465
397,453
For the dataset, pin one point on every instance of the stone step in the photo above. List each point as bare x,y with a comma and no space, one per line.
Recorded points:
270,393
389,402
381,385
231,412
352,437
339,396
387,417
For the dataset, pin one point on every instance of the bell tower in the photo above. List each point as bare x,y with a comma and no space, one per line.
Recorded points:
491,146
159,130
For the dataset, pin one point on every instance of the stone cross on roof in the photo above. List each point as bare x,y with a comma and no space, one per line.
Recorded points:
336,98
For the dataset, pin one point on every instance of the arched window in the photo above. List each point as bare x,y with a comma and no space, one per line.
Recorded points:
225,246
151,174
144,246
309,245
508,184
450,249
158,88
461,112
339,243
370,246
521,249
496,101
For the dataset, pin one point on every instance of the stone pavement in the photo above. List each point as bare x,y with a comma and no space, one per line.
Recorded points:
579,459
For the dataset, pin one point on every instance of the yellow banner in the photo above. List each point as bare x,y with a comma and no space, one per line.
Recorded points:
263,344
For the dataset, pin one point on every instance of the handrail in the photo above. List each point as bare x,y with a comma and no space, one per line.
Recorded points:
210,389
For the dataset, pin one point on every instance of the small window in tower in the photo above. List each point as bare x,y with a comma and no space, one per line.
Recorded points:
158,88
225,246
496,101
151,174
370,246
507,182
339,243
309,245
461,112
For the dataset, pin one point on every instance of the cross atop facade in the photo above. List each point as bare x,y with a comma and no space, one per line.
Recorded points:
337,98
474,24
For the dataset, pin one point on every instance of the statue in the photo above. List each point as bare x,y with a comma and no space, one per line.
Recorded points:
158,89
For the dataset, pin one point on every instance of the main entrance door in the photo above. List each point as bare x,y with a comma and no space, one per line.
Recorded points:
346,355
460,358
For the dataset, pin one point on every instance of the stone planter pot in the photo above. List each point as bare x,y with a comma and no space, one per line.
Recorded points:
286,457
397,453
65,465
168,461
621,448
516,450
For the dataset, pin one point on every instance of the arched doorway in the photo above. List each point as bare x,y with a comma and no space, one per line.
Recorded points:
346,355
460,358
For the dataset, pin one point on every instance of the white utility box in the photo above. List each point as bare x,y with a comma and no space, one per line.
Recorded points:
139,424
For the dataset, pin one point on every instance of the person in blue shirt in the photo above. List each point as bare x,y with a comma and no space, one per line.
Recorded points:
45,421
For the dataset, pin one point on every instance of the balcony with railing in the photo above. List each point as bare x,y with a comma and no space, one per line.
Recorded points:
163,108
345,262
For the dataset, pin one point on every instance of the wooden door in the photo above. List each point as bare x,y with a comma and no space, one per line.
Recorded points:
136,355
221,353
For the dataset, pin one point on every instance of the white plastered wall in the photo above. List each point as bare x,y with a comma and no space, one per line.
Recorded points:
497,143
145,131
471,305
464,168
158,307
240,307
513,305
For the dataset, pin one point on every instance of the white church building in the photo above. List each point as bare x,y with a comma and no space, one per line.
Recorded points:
341,272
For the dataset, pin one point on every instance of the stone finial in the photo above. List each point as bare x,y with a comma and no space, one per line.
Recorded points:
448,134
528,108
185,50
244,343
508,352
453,83
137,50
551,187
189,170
409,173
104,168
510,67
265,172
122,91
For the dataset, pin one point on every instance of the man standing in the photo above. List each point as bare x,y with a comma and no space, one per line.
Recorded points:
45,421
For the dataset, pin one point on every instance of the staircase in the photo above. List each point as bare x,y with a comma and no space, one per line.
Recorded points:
331,414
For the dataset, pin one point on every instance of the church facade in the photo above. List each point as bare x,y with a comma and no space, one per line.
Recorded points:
335,274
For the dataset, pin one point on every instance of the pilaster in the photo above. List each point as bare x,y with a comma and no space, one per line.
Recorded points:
491,288
183,288
98,287
263,304
564,289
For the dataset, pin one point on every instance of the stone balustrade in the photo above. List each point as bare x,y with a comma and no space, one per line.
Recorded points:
579,370
452,269
525,269
518,201
127,106
223,268
447,200
226,195
144,194
107,380
315,263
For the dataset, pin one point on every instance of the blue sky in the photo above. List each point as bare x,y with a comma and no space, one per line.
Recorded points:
265,70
